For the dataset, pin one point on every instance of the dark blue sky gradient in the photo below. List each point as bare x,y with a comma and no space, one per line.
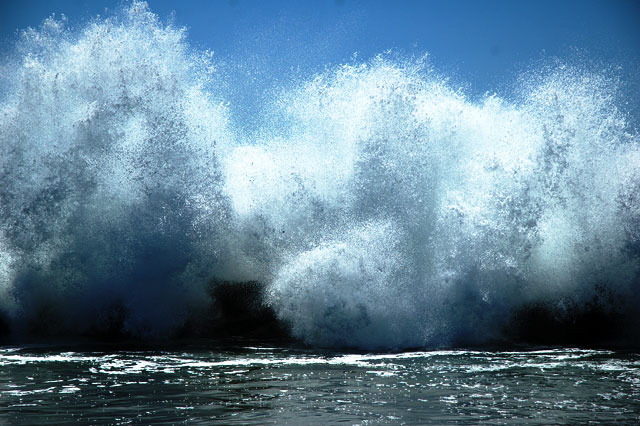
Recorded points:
481,46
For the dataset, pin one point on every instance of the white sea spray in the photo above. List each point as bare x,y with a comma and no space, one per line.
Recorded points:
380,206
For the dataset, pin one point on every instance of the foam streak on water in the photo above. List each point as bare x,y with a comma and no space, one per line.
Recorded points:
253,385
379,207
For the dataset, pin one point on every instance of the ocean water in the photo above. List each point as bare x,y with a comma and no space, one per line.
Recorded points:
372,219
241,384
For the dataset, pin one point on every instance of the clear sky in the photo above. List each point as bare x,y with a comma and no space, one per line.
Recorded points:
481,45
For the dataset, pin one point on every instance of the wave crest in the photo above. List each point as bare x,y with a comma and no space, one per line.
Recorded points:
379,207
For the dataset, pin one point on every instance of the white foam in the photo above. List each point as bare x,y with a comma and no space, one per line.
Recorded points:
381,207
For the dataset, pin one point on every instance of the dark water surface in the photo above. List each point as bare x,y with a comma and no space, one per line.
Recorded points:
289,385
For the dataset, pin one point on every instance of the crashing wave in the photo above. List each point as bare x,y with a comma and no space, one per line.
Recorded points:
378,207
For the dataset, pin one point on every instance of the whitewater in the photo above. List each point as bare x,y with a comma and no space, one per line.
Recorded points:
373,205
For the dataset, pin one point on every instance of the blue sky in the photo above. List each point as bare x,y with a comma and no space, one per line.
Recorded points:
480,45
